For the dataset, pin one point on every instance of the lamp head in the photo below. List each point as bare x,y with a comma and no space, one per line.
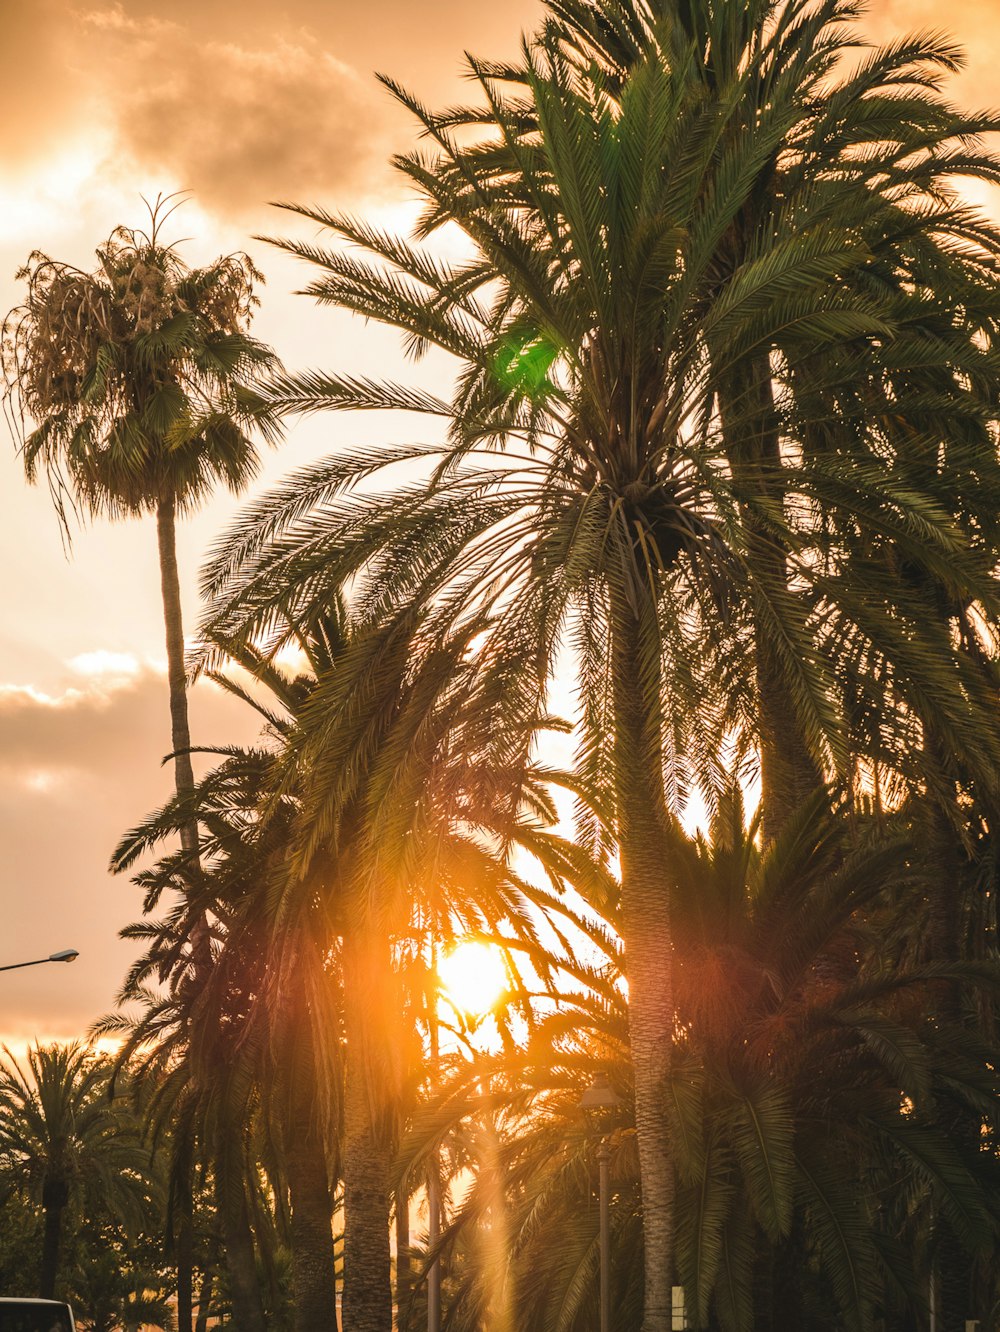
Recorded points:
600,1104
64,955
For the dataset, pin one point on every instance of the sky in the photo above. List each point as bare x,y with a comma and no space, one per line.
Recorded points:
244,104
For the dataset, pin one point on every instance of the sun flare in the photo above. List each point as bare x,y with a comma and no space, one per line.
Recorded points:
473,977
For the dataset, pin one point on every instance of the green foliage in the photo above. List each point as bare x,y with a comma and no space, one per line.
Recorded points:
119,1281
67,1147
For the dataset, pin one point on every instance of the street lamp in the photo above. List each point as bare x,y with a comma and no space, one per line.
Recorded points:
599,1104
64,955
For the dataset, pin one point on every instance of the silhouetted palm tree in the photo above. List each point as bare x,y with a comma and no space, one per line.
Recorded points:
807,1075
646,492
62,1136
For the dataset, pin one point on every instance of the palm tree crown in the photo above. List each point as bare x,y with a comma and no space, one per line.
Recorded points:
138,375
62,1134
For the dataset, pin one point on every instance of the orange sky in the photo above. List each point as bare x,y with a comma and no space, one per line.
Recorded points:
241,103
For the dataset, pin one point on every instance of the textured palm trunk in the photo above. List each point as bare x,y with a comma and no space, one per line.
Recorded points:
180,731
55,1196
314,1281
184,1254
367,1303
234,1221
645,878
788,773
946,942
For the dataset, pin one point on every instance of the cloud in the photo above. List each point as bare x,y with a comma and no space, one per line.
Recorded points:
112,669
241,102
78,766
237,122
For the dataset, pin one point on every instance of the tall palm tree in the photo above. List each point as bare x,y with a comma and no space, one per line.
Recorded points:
188,1039
821,154
402,801
132,388
62,1135
598,320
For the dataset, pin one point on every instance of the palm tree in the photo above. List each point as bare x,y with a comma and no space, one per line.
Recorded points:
822,155
598,320
63,1136
378,791
401,801
119,1284
191,1049
813,1077
132,388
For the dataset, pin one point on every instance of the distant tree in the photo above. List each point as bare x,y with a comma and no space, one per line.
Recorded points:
119,1283
20,1235
63,1136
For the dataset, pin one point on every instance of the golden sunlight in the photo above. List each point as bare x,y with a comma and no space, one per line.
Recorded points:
473,977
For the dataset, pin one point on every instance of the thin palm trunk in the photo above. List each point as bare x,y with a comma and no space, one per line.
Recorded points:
180,730
404,1280
367,1304
180,737
645,878
184,1254
313,1272
946,942
788,772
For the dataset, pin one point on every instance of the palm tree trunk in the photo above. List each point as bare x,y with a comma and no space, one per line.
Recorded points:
404,1279
788,772
55,1196
184,1254
946,942
645,878
313,1272
180,738
180,731
367,1300
248,1310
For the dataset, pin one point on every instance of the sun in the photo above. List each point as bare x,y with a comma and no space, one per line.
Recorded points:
473,977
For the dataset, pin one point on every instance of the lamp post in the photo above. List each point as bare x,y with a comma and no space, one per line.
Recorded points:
434,1200
599,1104
64,955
